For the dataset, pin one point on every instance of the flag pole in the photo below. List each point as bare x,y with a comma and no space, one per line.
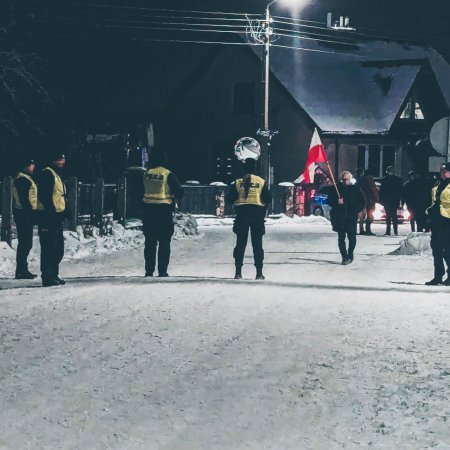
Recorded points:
332,178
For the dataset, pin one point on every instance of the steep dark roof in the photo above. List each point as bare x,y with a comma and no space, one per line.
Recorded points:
343,93
169,75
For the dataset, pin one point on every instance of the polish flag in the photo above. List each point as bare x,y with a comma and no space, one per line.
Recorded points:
316,154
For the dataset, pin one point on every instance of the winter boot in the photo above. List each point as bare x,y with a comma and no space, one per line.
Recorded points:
259,273
48,282
25,275
60,281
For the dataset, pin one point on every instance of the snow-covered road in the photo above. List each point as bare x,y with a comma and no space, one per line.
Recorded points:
318,356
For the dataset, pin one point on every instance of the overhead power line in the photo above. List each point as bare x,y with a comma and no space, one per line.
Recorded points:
140,8
211,29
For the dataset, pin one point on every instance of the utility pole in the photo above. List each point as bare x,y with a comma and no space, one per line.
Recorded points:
265,132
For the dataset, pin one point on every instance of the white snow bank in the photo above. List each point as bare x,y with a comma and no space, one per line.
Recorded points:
78,245
281,219
185,225
7,259
414,243
87,241
277,219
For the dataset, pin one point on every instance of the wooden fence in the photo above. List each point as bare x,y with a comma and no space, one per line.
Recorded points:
91,203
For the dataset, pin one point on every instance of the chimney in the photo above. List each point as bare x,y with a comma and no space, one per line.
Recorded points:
329,20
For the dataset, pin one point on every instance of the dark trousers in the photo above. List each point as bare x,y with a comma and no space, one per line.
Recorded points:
52,250
241,228
417,219
350,234
366,217
440,245
158,232
391,217
24,225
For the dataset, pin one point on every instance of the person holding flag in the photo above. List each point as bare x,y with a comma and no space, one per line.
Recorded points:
346,201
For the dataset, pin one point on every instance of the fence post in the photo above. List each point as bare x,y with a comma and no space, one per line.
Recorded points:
6,230
289,201
72,203
122,199
220,204
98,201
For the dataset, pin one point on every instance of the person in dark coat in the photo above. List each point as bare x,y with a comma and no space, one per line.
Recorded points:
390,195
416,197
344,214
250,196
51,215
439,217
25,203
161,188
368,187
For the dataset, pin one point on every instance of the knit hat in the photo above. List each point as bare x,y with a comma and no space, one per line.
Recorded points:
58,155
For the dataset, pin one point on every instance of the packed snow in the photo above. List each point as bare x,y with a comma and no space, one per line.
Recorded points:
317,356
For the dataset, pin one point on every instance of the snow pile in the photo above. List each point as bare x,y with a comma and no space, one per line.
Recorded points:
414,243
87,241
82,243
276,219
7,259
281,219
185,226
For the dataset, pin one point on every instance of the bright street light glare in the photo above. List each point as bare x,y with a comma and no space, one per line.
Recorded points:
296,5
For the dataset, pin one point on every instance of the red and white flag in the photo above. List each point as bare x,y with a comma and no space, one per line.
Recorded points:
316,155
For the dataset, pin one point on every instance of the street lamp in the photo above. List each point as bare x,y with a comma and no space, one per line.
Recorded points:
267,34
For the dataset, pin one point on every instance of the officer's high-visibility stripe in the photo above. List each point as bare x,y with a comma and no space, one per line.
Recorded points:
59,193
156,187
254,193
444,200
32,193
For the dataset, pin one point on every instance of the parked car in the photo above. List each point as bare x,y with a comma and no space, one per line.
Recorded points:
379,214
319,205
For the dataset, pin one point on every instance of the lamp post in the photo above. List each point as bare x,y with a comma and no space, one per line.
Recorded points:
265,37
265,132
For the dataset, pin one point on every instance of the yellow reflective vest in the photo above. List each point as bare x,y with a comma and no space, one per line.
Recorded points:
59,193
254,193
156,188
445,200
32,193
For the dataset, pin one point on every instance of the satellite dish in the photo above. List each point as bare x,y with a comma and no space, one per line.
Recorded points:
440,135
247,147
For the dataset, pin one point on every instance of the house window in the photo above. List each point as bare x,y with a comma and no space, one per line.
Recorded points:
244,98
223,162
412,110
376,158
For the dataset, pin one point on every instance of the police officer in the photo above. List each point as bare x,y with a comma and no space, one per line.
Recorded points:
161,187
250,196
52,212
439,217
25,202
